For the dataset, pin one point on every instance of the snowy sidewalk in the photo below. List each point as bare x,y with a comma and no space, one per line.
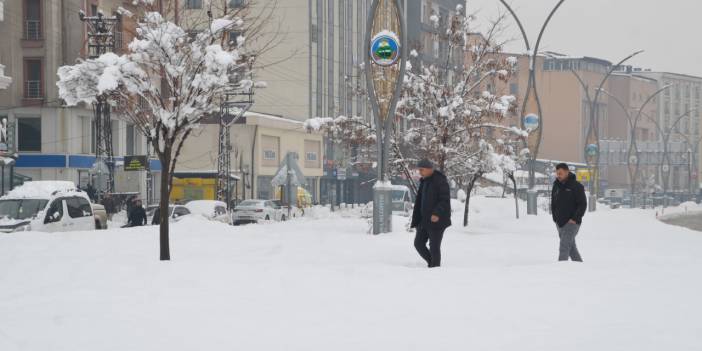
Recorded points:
324,284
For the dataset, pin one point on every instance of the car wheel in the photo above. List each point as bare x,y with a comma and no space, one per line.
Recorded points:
283,218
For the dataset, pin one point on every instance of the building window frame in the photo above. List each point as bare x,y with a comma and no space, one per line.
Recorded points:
193,4
32,143
32,27
33,89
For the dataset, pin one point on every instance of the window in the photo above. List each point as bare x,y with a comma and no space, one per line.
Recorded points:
93,10
435,48
270,151
220,210
130,139
55,212
193,4
233,37
115,137
32,20
268,154
86,138
180,211
237,3
29,134
33,85
78,207
513,89
312,157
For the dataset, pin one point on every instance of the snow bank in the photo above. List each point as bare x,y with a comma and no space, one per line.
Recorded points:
325,284
39,189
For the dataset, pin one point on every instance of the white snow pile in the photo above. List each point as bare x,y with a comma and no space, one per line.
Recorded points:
689,208
324,284
41,189
204,207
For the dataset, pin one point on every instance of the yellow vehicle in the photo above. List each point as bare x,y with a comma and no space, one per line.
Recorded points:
304,198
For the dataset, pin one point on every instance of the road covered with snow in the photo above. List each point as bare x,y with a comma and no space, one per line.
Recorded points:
324,284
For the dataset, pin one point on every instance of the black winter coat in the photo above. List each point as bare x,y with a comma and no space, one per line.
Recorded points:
436,194
137,217
568,201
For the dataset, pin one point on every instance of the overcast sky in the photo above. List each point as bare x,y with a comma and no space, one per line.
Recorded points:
668,30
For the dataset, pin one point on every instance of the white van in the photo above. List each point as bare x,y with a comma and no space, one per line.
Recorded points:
47,206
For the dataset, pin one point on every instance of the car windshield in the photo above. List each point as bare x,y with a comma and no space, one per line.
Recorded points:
398,195
21,208
251,203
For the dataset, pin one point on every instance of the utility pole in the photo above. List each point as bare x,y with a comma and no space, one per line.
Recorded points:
237,99
101,40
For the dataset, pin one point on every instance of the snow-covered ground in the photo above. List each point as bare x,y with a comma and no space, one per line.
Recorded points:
323,284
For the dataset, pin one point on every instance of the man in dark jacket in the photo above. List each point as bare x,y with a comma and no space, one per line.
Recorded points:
432,212
568,206
137,217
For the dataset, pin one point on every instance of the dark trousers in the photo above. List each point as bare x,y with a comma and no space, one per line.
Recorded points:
567,247
433,254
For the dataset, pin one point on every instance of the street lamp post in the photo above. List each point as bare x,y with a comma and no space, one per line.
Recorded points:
633,155
592,144
386,53
665,162
532,114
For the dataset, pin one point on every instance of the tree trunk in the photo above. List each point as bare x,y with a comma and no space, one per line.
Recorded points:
163,212
516,198
469,189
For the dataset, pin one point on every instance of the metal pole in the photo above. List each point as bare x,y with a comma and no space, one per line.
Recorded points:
535,135
382,16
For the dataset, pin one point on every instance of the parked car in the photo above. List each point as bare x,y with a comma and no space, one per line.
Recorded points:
175,213
100,215
210,209
294,211
254,210
49,206
402,203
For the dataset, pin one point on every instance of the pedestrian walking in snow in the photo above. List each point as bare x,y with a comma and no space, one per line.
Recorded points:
568,206
432,212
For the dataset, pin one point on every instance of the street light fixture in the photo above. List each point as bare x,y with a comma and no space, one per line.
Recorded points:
592,141
532,114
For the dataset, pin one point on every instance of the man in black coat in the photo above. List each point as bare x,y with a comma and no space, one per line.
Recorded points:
432,212
568,206
137,217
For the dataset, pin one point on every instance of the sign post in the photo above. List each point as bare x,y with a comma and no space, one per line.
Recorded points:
386,49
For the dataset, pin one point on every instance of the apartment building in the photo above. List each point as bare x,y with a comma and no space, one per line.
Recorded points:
4,80
683,98
260,143
51,140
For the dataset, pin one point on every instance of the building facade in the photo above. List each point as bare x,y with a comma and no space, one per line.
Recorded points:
679,117
260,143
54,142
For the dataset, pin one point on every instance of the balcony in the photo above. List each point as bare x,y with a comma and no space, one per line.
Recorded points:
32,30
33,90
118,42
32,34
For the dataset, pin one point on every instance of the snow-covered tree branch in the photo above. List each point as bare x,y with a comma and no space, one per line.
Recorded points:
172,77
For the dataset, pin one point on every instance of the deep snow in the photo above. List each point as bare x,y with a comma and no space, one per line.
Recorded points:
323,284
